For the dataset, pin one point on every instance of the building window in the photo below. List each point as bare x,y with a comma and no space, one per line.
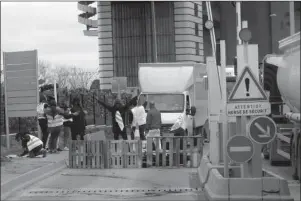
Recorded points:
196,28
196,10
197,48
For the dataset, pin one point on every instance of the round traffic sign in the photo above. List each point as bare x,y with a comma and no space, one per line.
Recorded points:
209,24
262,130
240,149
245,35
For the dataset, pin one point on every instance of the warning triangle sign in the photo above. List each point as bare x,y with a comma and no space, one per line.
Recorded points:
247,89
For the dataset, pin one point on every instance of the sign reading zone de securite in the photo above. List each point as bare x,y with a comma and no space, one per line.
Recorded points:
248,109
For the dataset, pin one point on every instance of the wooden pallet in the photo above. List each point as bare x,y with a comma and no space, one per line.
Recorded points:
174,152
124,154
87,154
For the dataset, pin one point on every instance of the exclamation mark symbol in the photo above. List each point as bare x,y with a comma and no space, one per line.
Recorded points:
247,82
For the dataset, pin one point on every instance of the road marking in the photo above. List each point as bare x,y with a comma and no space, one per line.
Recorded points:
266,133
240,149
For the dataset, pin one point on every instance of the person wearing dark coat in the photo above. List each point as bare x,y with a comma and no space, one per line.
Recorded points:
78,126
118,113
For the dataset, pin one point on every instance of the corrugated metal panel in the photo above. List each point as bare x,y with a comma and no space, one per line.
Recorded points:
132,41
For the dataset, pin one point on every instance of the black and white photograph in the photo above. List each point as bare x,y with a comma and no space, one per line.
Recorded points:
150,100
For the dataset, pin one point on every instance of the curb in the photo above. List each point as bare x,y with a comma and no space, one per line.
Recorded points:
25,180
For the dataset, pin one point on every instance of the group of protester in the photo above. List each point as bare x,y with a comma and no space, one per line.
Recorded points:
57,123
141,122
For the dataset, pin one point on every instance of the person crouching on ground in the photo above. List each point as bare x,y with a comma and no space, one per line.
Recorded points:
32,145
55,116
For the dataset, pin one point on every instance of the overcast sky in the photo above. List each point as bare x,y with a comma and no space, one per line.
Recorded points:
51,28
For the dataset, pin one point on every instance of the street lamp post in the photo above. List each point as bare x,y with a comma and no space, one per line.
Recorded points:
154,32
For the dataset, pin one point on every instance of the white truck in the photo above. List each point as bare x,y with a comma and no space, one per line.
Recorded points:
177,89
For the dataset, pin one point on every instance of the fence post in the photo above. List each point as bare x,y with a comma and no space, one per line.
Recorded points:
94,117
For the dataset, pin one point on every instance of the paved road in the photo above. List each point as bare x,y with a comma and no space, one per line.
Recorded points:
127,184
117,184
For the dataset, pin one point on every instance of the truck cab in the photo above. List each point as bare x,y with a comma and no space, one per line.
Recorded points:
171,106
178,90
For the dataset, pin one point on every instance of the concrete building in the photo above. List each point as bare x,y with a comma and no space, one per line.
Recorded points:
124,32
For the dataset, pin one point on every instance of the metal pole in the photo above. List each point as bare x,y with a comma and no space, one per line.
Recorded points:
105,110
5,105
1,98
94,115
238,17
211,31
243,119
154,32
292,17
55,93
224,106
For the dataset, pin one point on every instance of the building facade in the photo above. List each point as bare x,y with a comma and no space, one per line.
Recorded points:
124,32
125,36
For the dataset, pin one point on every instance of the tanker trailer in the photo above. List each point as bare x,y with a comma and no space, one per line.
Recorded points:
281,77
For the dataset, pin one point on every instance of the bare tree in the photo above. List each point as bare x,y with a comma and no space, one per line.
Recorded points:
79,78
44,69
61,74
65,76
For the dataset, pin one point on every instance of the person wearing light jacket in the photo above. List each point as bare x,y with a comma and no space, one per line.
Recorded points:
139,121
55,116
32,145
42,119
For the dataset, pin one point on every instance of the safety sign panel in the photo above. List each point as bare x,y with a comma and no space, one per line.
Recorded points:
247,97
240,149
248,109
247,89
262,130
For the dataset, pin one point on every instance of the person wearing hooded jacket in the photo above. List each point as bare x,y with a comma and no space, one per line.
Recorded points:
118,112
